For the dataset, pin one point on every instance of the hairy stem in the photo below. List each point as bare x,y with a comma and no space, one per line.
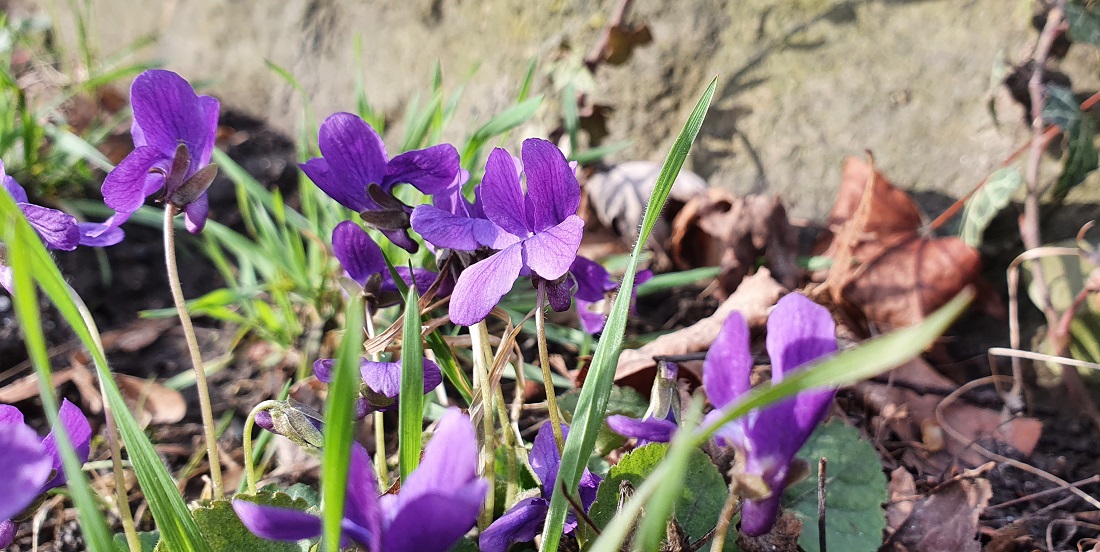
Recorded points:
201,386
544,361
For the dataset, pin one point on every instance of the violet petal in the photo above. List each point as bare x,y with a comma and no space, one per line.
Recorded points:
57,229
758,516
10,415
100,234
384,378
357,252
195,213
26,467
654,430
728,364
124,189
431,170
502,194
169,113
80,436
593,280
450,518
552,188
14,188
799,331
545,457
275,523
349,195
481,285
7,533
354,151
362,513
519,524
450,460
550,252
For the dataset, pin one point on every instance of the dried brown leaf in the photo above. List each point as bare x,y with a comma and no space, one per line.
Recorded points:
945,520
720,229
752,299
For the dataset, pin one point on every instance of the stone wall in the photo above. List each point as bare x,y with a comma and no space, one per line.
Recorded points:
802,83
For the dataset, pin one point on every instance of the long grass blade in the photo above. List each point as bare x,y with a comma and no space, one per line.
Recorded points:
592,403
340,426
92,524
177,527
410,404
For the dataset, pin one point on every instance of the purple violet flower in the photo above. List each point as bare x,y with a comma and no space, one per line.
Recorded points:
799,332
662,419
524,520
174,131
58,230
594,287
381,381
362,259
437,503
33,464
536,233
356,172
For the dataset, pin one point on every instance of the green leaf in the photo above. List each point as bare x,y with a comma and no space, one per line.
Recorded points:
990,199
148,540
1084,24
410,403
855,489
622,400
224,530
592,403
173,519
699,501
340,425
1062,109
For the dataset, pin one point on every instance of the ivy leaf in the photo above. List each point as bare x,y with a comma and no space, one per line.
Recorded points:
148,540
854,493
1063,110
623,400
700,501
223,530
1084,24
990,199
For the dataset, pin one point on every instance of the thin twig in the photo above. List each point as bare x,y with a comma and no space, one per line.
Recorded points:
1033,496
821,465
942,421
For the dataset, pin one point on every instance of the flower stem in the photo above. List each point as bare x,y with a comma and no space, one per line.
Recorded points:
544,361
379,428
114,440
483,355
718,542
170,212
246,442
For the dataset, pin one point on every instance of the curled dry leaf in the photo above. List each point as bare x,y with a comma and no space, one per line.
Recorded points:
752,299
618,196
720,229
903,494
945,520
883,266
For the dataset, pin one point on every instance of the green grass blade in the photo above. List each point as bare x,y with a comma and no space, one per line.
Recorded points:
92,524
592,403
240,177
410,403
658,509
675,280
340,426
177,527
503,122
